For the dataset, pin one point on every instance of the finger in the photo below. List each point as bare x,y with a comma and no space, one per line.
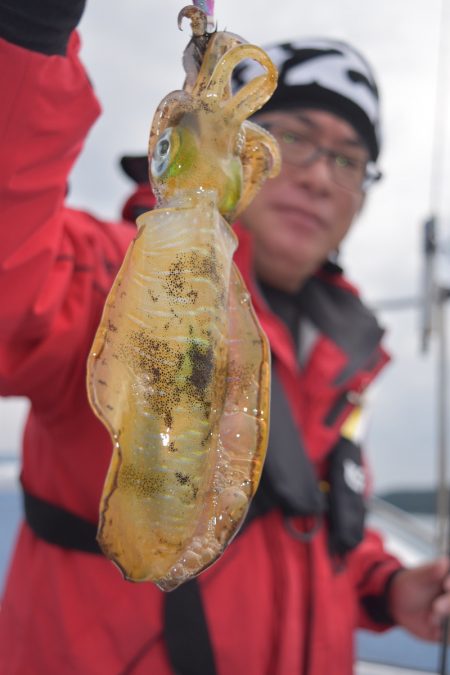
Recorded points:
439,569
435,629
440,612
446,583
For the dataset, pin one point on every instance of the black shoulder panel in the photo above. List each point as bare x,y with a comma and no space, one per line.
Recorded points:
43,26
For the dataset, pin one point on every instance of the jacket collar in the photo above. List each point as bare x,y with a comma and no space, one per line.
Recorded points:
333,307
339,314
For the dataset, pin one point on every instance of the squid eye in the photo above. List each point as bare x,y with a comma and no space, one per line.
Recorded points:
163,147
165,150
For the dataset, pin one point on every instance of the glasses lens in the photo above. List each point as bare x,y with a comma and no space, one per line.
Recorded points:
295,148
348,172
298,149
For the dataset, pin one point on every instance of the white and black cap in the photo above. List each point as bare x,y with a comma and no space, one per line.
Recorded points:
326,74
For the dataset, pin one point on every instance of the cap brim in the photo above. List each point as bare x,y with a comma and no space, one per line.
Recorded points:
135,167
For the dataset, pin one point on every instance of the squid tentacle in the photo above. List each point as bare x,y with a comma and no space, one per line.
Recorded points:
198,19
261,159
252,95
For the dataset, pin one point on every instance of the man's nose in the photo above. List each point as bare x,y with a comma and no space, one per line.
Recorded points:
316,173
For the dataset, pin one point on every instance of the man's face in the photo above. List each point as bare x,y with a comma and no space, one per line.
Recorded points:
302,215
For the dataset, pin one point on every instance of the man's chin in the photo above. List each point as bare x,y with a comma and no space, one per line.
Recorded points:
303,264
291,277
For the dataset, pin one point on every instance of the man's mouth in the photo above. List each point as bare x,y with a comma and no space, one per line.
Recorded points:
302,218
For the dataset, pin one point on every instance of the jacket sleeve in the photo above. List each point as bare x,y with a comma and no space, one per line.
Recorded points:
373,570
56,264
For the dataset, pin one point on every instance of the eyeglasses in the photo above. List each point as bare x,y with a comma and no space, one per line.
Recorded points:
301,150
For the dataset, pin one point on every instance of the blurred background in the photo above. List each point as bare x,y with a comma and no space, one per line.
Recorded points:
133,55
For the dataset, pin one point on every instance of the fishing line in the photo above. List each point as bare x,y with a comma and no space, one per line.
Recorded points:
436,197
207,6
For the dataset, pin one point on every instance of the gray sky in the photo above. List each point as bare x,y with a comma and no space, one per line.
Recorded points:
133,53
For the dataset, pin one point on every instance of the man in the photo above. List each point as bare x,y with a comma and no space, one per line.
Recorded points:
288,593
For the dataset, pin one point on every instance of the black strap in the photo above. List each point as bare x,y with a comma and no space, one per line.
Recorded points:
288,480
58,526
347,503
186,631
185,626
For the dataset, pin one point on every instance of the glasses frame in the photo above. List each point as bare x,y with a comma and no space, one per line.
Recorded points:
372,173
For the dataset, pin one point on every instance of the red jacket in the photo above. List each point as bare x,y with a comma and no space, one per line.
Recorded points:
273,603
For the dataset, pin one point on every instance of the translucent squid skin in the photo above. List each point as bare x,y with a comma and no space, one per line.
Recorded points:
179,368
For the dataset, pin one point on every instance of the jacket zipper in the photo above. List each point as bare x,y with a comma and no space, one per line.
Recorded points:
347,398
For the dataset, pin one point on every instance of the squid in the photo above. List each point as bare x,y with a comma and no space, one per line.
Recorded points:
179,369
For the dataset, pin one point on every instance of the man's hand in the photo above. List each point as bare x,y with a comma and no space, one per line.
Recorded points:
420,598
